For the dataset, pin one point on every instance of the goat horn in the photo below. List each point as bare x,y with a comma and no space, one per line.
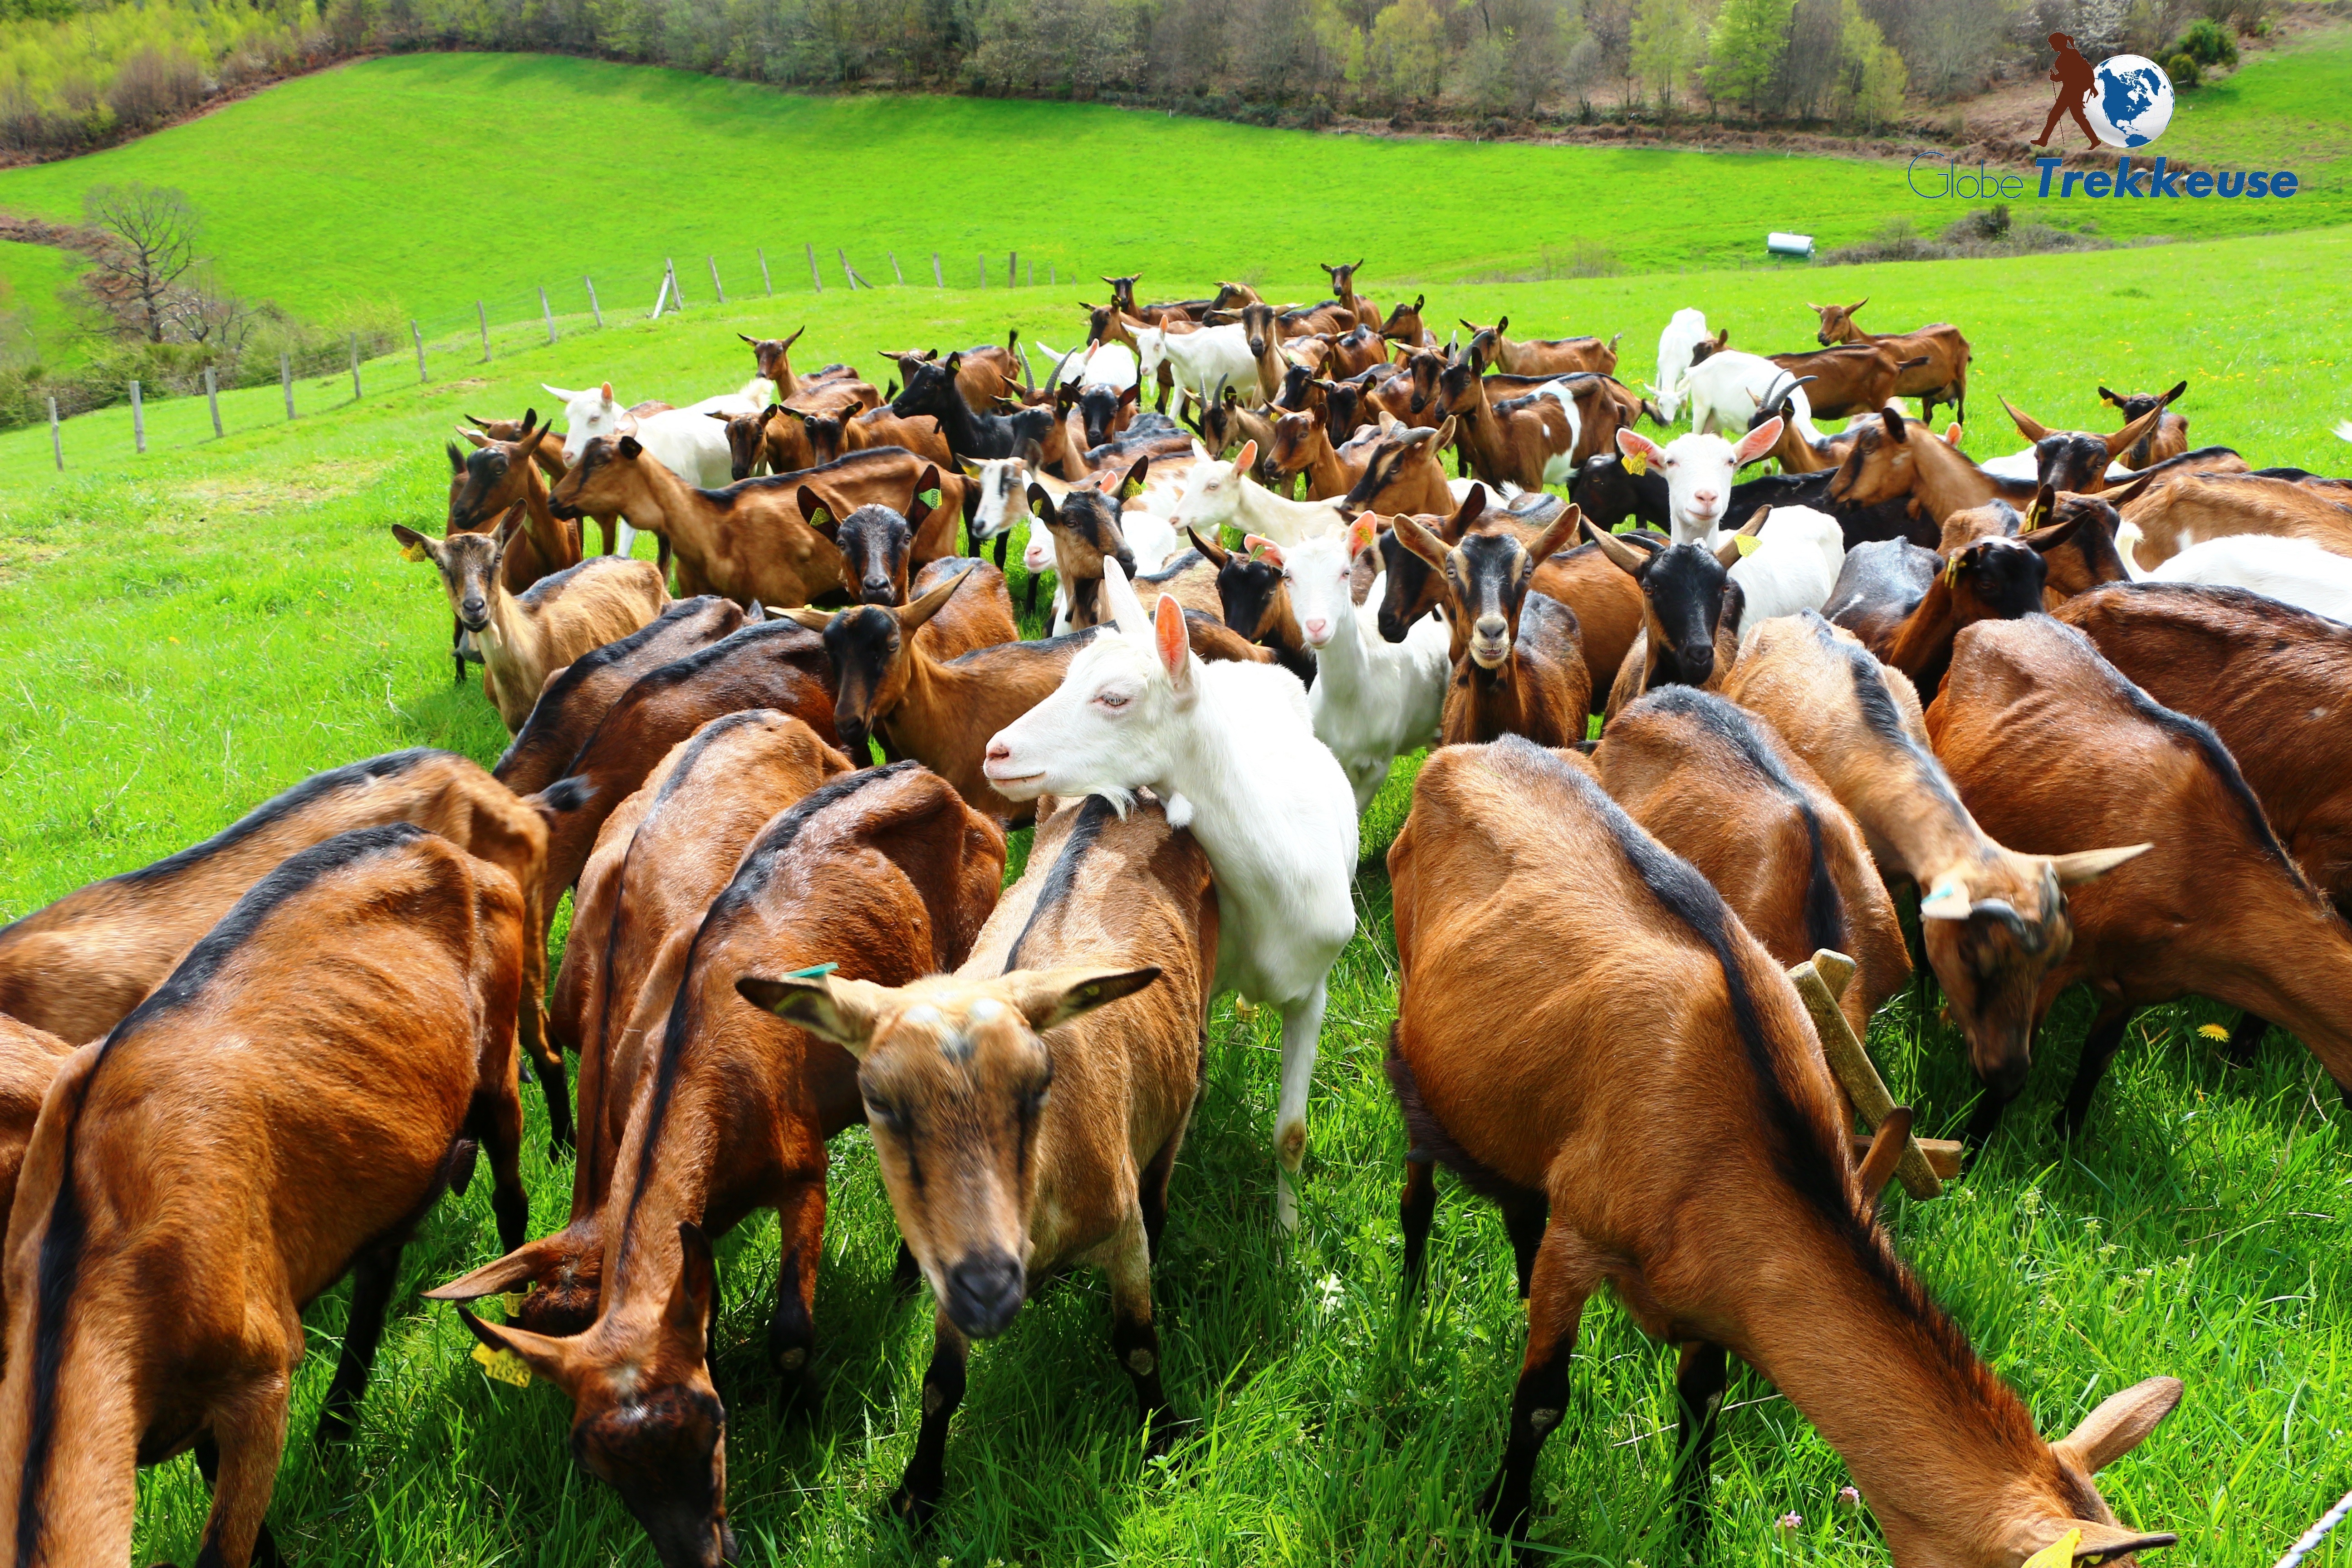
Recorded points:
2029,428
1626,557
2122,440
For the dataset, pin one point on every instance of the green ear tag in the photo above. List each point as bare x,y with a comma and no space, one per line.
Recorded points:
928,497
813,971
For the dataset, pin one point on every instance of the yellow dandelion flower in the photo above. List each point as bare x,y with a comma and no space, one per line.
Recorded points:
2212,1032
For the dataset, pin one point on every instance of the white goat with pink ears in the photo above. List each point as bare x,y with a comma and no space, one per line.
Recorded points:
1231,749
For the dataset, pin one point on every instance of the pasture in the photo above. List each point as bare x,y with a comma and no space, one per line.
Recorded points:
193,630
313,191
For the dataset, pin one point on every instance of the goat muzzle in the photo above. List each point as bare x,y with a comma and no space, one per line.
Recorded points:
984,1291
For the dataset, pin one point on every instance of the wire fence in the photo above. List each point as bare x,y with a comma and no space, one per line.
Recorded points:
384,354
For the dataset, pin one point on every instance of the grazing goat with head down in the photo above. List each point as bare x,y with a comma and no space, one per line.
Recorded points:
2216,908
885,873
1995,921
1726,1145
1231,748
1027,1110
345,1028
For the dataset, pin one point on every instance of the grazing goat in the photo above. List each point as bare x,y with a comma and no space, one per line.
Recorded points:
1717,785
1231,748
1517,662
2292,571
1943,377
661,860
29,1060
79,966
526,637
1683,335
885,873
1372,699
1027,1110
770,663
2170,436
283,1111
2186,507
1700,470
577,696
1994,922
2216,908
1726,1144
1204,362
1539,356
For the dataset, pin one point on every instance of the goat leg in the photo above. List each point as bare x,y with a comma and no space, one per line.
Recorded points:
1700,1382
1133,1338
1523,1222
2246,1040
943,1381
791,1332
373,1274
906,1274
2099,1047
1415,1210
1151,1195
1555,1304
1302,1027
248,1437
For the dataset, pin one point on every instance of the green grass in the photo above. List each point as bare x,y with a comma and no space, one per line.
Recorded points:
34,282
438,180
189,632
2283,110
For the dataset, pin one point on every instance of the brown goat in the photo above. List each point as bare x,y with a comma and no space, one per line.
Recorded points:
997,1184
2170,436
499,476
1992,579
1540,356
2184,507
2216,908
1995,921
884,873
1717,785
880,545
1402,474
1725,1145
1526,441
661,860
576,698
1854,378
1897,457
1253,603
29,1060
1343,289
770,664
179,1213
527,636
77,966
1944,378
1519,664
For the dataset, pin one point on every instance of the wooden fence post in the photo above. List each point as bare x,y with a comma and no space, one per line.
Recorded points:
482,314
661,297
893,268
547,314
937,279
1051,281
57,441
423,375
677,294
594,309
1013,269
983,271
286,380
716,286
814,277
847,269
138,419
212,400
765,282
355,367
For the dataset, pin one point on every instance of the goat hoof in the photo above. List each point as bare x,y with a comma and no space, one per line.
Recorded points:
915,1505
1169,1432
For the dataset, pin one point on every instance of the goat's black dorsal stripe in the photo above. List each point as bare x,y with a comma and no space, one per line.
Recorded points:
1093,813
751,878
278,807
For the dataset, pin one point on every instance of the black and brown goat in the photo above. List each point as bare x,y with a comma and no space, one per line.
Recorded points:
1690,615
1518,662
2077,460
346,1030
1726,1145
1402,474
932,388
1028,1109
1528,441
885,873
2170,436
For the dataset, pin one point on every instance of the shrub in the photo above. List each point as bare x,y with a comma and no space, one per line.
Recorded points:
2184,72
2208,43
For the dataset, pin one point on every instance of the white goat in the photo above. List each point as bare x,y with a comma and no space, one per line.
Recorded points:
1792,566
1725,389
2025,465
1685,333
1219,494
1231,749
1699,471
682,440
1372,699
1204,363
2343,429
1104,365
2292,571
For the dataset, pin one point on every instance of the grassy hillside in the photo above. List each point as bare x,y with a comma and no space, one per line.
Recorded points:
2285,109
191,631
436,180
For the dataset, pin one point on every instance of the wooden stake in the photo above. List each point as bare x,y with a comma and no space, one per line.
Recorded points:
594,309
355,367
813,277
938,278
285,375
423,375
1013,269
57,441
1820,981
765,283
661,297
211,399
716,286
547,314
893,268
138,419
482,314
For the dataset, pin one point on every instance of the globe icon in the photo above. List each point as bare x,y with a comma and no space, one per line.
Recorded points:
2133,101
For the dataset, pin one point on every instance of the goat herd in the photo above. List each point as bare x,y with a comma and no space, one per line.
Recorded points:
2135,785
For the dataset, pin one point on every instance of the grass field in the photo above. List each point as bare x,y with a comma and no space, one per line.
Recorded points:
191,631
312,191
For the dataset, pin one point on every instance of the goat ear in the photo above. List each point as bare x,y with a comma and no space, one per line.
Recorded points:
814,512
686,1315
557,1360
1041,502
842,1011
607,390
1894,423
1174,642
1444,433
525,1266
1362,534
1632,443
457,458
414,546
628,448
1756,442
723,418
2090,865
2032,429
913,616
1266,549
478,439
1952,434
2121,441
504,533
2174,395
1049,998
1419,540
1554,538
1246,458
2106,396
1132,486
802,616
2119,1424
1126,610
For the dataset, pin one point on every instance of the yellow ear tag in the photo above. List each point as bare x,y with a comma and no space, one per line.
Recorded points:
1748,542
1637,463
1951,570
513,1299
411,552
504,1365
2035,516
2059,1553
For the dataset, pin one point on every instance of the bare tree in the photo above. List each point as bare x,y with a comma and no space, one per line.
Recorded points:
151,234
